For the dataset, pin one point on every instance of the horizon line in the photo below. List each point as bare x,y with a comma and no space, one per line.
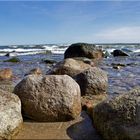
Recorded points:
118,43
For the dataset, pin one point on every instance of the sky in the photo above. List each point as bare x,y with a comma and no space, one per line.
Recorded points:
42,22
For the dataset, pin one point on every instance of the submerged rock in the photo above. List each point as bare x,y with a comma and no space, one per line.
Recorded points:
118,118
92,81
69,66
49,61
13,60
119,53
83,50
49,98
10,115
6,74
118,65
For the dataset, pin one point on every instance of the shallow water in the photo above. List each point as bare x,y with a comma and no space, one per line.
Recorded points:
79,129
120,80
125,78
28,63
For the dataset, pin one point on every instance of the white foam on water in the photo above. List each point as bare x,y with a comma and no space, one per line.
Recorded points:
138,50
54,49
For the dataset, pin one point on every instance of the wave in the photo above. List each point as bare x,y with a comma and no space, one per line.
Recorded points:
32,49
57,49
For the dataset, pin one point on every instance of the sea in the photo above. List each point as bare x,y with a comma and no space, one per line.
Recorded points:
32,56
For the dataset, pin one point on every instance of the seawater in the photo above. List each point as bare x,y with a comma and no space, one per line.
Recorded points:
16,50
120,80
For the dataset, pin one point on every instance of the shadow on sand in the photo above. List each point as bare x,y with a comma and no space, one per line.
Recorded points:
83,130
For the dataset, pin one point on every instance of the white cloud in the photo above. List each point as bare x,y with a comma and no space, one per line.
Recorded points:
122,34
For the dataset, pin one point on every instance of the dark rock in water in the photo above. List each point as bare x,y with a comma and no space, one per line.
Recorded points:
35,71
119,53
6,74
83,50
49,98
118,118
8,54
10,114
13,60
118,65
106,54
48,52
69,66
49,61
92,81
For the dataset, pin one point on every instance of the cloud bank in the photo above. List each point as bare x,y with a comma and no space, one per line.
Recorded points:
121,34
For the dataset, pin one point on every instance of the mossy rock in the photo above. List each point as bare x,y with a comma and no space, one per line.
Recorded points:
13,60
48,52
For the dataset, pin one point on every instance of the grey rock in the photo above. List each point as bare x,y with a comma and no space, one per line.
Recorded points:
10,114
92,81
69,66
49,98
118,118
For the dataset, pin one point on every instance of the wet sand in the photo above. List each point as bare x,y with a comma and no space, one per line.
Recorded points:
78,129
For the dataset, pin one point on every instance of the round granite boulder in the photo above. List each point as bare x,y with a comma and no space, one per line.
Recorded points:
83,50
10,114
49,98
69,66
118,118
92,81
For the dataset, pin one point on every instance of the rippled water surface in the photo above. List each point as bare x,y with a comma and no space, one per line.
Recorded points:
123,79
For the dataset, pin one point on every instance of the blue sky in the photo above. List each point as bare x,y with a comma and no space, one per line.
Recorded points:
34,22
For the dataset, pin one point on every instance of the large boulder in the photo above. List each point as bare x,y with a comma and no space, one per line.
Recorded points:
10,115
92,81
69,66
119,53
83,50
6,74
118,118
49,98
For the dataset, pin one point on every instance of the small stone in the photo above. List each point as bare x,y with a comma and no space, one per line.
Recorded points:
6,74
35,71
